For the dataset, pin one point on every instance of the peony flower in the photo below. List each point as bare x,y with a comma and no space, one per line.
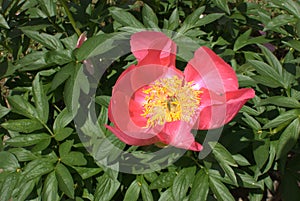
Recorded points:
155,103
82,38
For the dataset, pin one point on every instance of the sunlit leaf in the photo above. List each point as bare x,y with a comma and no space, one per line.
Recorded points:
133,191
288,138
106,188
65,180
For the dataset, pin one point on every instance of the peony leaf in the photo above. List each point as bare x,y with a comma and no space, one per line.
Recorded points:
132,193
200,186
288,138
50,188
220,190
182,182
65,180
106,188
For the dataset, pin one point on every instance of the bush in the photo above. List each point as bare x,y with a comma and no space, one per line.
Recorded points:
42,153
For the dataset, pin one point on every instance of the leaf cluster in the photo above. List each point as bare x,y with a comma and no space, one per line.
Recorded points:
42,156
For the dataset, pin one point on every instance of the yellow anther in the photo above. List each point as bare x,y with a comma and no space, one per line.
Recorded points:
170,99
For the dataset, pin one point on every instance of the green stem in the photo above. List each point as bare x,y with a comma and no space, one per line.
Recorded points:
55,106
70,16
47,128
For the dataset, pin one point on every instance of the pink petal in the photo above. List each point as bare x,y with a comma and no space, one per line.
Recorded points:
131,140
209,71
119,115
81,40
150,47
136,108
217,109
136,77
178,134
122,108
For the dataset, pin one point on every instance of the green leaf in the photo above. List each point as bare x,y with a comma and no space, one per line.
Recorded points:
3,22
267,81
149,17
252,122
278,21
62,120
222,4
145,190
295,44
164,180
281,101
250,111
74,158
247,181
62,133
132,193
271,58
47,40
27,140
43,59
288,138
23,154
21,106
3,111
220,190
261,152
272,155
106,188
174,20
151,176
182,182
48,7
256,195
267,72
191,20
72,90
23,190
62,75
70,42
242,40
125,18
166,195
50,188
33,61
91,47
103,100
225,160
8,186
65,180
209,19
8,161
222,154
59,57
40,146
65,147
200,187
87,172
37,168
287,116
240,160
22,125
290,6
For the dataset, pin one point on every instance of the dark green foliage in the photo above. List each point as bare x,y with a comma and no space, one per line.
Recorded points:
41,154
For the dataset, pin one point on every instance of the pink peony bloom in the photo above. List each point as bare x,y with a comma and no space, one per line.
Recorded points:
153,102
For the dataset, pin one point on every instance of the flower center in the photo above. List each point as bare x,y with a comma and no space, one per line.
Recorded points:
170,99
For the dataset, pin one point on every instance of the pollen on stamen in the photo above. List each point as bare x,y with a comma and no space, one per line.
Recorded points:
170,99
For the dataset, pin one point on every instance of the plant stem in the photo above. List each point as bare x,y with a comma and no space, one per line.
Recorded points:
70,16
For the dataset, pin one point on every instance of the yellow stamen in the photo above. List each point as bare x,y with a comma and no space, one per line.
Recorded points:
170,99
